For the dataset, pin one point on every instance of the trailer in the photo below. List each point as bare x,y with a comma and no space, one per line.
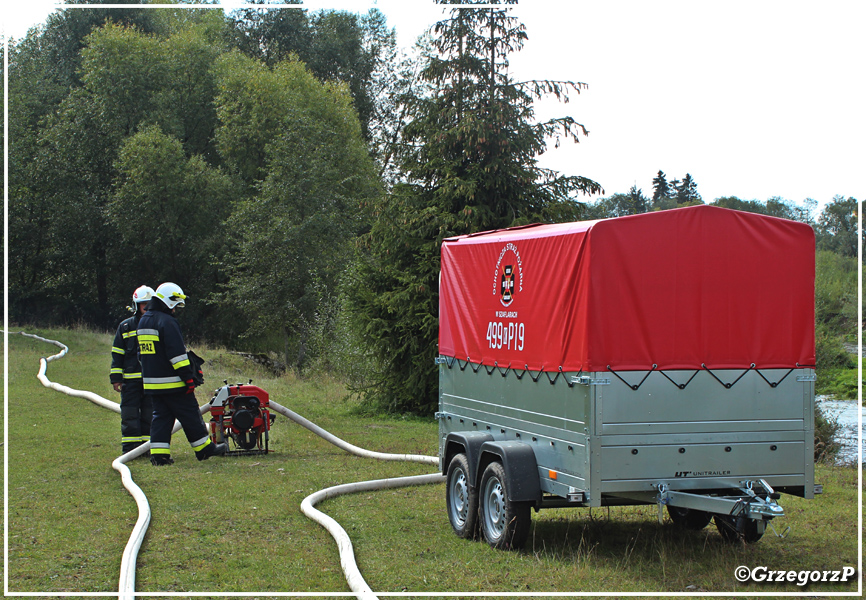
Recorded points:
665,358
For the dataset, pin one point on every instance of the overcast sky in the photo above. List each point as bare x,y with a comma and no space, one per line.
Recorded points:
754,99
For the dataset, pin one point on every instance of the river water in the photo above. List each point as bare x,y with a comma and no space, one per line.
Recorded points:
847,413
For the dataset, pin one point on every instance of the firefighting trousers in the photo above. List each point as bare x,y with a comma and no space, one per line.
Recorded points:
136,413
184,408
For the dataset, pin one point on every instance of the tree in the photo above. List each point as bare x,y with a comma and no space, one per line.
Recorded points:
774,207
837,226
53,251
78,144
338,53
335,45
63,37
470,160
619,205
638,203
166,209
32,96
661,189
126,81
184,106
687,192
136,140
393,82
271,35
734,203
309,171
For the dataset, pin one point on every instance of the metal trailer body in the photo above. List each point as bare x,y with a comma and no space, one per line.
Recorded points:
705,442
597,441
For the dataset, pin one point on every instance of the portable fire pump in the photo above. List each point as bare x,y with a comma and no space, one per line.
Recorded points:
240,413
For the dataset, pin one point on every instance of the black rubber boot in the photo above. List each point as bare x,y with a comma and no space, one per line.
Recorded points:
211,450
130,446
159,460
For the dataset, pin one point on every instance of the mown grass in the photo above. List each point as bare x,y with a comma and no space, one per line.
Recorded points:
234,524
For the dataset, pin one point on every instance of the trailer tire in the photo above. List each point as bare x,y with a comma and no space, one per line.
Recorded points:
686,518
504,523
734,529
461,498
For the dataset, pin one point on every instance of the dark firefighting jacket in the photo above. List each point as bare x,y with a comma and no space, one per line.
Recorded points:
165,365
125,367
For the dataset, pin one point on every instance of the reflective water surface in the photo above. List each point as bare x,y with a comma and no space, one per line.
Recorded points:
847,413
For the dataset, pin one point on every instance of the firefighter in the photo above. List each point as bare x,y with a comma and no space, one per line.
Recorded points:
125,376
169,378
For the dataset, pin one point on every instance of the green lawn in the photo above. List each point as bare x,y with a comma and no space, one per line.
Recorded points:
234,524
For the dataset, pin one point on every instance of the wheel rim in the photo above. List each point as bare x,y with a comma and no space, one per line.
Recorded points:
494,508
459,496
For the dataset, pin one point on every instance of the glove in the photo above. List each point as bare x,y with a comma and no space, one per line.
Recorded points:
190,386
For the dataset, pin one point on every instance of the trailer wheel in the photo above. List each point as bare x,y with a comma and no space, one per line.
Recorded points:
505,524
690,519
461,499
740,528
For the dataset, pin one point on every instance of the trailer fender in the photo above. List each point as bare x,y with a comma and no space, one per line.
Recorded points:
521,469
468,442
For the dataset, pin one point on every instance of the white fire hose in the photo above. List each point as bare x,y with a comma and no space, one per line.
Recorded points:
126,584
347,555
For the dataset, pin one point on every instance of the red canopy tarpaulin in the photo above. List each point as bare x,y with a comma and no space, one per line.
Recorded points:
678,289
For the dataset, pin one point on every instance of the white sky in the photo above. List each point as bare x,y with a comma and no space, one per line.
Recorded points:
754,99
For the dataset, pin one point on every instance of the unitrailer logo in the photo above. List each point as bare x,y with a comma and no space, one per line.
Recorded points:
701,473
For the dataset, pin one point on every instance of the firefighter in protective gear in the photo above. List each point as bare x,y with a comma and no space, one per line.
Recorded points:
169,378
135,408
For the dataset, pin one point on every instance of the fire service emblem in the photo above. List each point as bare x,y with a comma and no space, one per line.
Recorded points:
509,274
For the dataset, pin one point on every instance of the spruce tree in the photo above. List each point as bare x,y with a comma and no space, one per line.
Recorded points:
637,202
469,157
661,188
687,192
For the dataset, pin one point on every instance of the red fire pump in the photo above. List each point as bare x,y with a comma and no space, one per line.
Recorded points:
240,413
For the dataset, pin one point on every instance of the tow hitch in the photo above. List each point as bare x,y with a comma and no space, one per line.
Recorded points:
742,515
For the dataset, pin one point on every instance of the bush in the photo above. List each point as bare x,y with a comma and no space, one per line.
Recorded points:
830,352
827,429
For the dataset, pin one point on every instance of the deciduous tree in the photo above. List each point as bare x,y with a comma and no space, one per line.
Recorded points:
837,226
300,146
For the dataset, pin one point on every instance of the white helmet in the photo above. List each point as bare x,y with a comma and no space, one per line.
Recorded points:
142,294
171,294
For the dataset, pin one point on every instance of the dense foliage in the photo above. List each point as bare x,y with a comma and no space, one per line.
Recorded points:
151,146
296,174
468,159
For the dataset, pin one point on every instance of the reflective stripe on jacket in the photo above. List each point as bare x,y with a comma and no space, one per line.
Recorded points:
125,367
164,363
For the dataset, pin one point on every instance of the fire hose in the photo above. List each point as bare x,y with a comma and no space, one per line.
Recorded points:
356,582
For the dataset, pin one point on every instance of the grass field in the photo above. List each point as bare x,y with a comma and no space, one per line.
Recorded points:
234,524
